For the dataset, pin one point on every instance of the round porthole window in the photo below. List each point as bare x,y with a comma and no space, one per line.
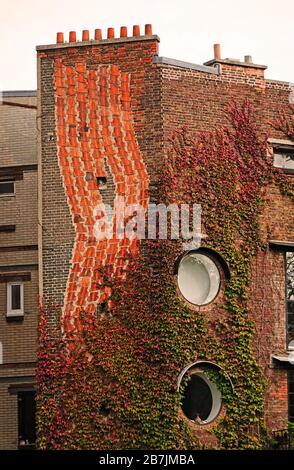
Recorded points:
201,399
198,278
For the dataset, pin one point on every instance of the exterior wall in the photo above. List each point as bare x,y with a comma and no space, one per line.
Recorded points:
18,254
60,228
199,100
162,98
8,416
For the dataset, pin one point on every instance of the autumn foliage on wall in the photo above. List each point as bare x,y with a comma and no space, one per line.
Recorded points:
117,388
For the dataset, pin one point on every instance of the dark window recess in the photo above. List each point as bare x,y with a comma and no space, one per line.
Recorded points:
7,228
16,297
290,295
6,187
101,182
102,309
197,400
26,418
291,395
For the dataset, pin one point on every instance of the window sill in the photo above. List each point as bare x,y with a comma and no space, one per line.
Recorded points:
286,171
26,446
17,317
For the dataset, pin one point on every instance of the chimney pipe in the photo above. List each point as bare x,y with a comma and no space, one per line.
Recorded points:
136,30
59,38
85,35
110,33
98,34
217,51
72,36
248,59
148,30
123,32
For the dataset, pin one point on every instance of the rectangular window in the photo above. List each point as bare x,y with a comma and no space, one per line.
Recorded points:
15,299
7,228
7,188
284,158
26,419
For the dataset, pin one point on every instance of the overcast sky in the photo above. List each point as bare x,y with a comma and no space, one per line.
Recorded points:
187,29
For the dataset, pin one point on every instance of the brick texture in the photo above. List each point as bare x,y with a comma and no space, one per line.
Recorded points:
108,108
18,254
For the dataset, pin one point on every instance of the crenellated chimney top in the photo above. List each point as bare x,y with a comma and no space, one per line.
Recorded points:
110,34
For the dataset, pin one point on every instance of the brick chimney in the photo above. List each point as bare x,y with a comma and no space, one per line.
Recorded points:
99,112
233,67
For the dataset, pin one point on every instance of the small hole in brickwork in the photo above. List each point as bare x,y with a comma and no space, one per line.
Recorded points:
104,409
154,271
88,176
101,182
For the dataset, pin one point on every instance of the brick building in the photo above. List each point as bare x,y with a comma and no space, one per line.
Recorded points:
18,267
107,109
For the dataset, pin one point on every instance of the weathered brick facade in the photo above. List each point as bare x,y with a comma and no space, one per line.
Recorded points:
18,256
89,79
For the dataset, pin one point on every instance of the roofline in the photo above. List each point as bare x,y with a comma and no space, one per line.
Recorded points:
18,93
97,42
186,65
235,62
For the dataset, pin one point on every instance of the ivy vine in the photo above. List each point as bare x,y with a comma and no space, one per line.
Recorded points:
118,391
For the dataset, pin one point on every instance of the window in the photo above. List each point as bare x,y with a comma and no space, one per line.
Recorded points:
7,188
15,299
7,228
284,158
201,398
198,278
290,297
26,418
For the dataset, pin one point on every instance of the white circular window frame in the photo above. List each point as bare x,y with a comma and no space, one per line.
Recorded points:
197,367
210,297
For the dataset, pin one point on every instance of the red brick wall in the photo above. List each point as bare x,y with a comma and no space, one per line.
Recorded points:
134,61
162,98
199,100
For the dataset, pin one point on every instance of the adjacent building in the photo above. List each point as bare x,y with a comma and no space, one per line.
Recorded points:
18,268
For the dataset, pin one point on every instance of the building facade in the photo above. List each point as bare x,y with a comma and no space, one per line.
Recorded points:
203,333
18,268
108,110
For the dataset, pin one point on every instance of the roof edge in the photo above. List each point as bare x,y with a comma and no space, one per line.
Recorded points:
186,65
18,93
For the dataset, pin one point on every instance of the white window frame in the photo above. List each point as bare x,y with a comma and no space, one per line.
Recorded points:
278,160
8,194
15,312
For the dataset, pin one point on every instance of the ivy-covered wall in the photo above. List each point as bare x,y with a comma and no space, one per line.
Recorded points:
110,380
119,389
